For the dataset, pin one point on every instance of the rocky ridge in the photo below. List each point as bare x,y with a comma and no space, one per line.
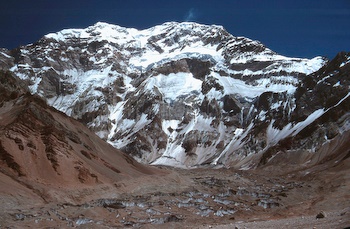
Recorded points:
187,95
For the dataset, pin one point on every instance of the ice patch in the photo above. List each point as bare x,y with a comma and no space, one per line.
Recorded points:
126,124
235,86
337,84
274,135
236,143
174,85
34,87
346,62
142,122
166,124
5,55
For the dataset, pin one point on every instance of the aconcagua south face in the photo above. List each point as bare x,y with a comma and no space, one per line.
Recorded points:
185,94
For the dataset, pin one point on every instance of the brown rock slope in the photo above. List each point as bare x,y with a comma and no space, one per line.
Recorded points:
47,156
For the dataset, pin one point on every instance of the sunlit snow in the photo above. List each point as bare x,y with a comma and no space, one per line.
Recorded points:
174,85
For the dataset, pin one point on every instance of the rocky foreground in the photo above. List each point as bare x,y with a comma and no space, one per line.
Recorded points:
271,197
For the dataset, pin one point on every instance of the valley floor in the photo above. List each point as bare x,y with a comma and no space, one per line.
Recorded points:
270,197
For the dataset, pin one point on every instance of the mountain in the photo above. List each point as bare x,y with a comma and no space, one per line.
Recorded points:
186,94
47,156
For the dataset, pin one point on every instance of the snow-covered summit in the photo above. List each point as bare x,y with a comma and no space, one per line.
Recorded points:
98,32
117,34
176,40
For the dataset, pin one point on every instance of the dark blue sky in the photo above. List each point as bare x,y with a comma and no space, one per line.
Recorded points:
298,28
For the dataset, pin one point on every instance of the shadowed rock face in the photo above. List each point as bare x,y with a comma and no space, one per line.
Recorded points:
185,94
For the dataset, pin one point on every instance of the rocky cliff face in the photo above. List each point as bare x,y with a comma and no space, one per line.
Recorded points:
185,94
